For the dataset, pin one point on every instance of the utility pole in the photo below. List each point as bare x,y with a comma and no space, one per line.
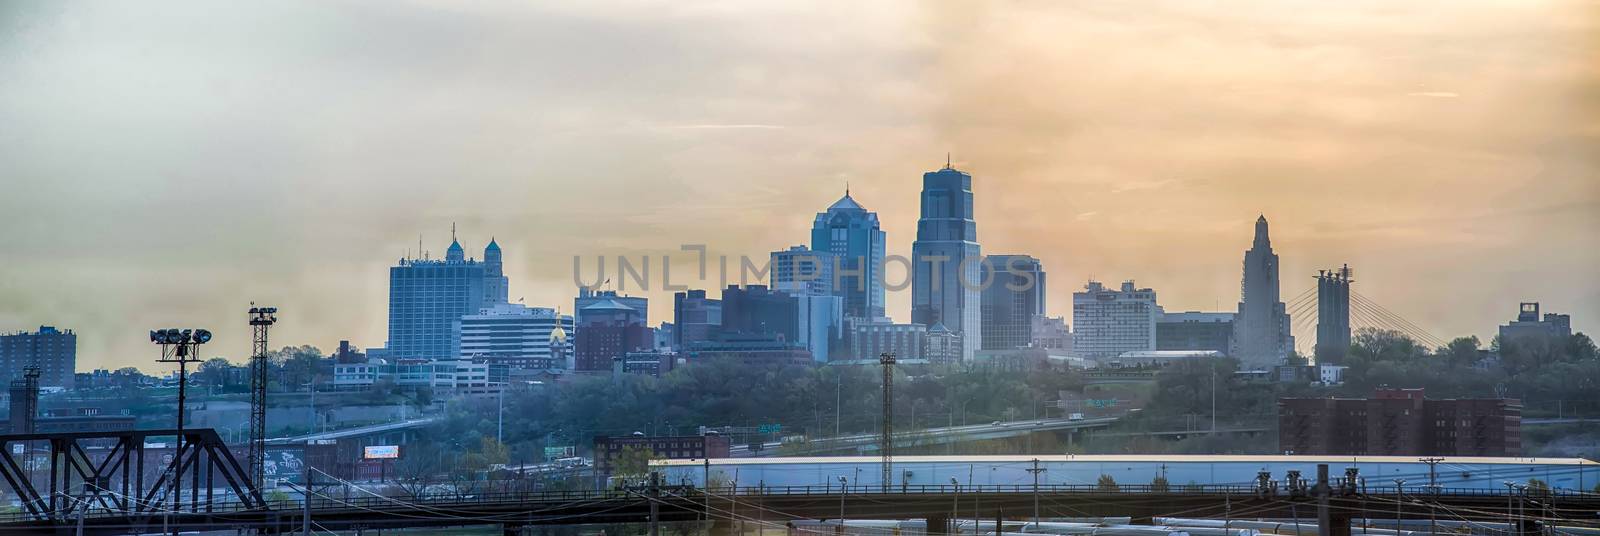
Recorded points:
1035,470
261,319
1433,481
655,510
305,518
886,443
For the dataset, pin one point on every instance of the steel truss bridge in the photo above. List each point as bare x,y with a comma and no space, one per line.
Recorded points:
92,491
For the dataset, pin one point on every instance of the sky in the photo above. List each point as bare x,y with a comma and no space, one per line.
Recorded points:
166,164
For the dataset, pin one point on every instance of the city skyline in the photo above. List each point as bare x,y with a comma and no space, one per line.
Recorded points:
175,186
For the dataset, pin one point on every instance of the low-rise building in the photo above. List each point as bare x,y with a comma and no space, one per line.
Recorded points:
607,449
1400,422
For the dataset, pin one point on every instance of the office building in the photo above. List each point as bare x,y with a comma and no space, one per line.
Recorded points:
871,338
1193,330
1261,329
801,271
608,449
945,259
1529,325
694,317
1052,334
515,335
850,235
758,349
819,324
1400,422
653,363
941,346
1015,295
609,330
427,299
1333,315
1109,322
53,351
588,296
756,310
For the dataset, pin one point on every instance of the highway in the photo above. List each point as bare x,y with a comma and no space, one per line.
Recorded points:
863,443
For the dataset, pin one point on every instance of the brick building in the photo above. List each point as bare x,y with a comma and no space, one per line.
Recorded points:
1400,422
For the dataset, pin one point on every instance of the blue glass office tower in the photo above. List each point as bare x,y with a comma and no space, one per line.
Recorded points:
427,299
946,255
851,235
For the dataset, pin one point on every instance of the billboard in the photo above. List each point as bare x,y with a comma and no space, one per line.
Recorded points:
381,452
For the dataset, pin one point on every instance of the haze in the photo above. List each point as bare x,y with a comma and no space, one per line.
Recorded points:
164,164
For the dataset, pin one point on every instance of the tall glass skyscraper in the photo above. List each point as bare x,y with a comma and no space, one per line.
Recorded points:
427,299
945,255
1015,296
850,234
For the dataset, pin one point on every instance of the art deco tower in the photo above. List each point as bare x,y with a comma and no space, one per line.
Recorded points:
1261,330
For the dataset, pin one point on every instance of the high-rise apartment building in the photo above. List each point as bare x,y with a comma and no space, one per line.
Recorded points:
946,259
850,234
517,336
1015,295
1108,322
1261,330
53,351
427,299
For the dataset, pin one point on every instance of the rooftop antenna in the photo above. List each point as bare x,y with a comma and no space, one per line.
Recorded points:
947,160
847,188
452,231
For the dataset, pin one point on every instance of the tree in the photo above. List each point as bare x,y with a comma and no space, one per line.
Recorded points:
632,462
1159,484
215,372
1538,488
1106,483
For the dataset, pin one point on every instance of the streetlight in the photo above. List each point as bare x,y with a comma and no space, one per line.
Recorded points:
842,490
955,504
1399,499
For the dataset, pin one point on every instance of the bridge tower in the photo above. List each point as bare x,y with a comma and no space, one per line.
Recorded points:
261,319
1333,315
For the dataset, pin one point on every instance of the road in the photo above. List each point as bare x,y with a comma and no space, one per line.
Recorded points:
929,436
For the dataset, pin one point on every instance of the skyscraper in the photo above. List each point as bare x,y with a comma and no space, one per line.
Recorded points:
946,258
1015,296
850,233
1262,326
427,299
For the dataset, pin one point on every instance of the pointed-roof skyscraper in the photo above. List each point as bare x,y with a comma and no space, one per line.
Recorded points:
849,233
1261,329
946,260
